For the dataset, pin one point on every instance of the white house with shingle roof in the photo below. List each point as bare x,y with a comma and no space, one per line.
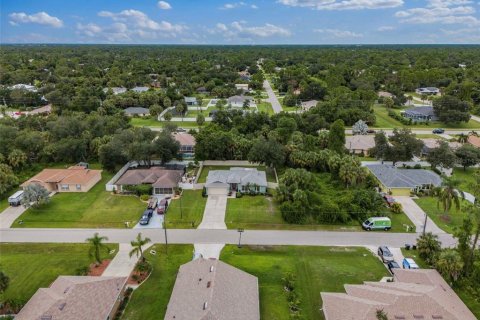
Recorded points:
359,143
213,290
413,295
244,180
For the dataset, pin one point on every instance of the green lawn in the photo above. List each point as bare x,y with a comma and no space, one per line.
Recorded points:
206,169
3,204
148,122
192,204
383,120
265,107
96,208
259,212
471,301
150,300
466,178
36,265
445,222
317,269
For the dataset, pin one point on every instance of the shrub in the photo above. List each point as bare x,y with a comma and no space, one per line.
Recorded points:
239,195
417,166
204,192
396,207
82,271
144,197
140,189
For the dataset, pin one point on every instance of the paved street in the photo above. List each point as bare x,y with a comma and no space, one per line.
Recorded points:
272,98
420,131
253,237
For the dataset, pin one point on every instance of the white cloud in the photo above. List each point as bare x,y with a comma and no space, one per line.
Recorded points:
141,20
39,17
441,11
343,4
336,33
164,5
253,6
240,29
385,28
234,5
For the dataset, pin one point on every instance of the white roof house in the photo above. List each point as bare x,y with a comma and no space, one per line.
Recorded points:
140,89
22,86
242,86
428,90
237,101
116,90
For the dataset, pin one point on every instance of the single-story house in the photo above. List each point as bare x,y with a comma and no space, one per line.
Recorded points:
474,141
430,143
73,179
413,294
191,101
245,75
243,180
242,86
21,86
137,111
428,91
76,298
359,143
163,181
307,105
140,89
187,144
116,90
202,90
42,110
211,289
385,94
420,114
400,182
237,101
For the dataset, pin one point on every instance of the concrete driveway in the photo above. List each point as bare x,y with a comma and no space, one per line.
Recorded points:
156,222
417,215
214,214
9,215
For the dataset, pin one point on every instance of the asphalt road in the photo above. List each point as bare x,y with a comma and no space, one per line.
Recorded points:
253,237
420,131
272,98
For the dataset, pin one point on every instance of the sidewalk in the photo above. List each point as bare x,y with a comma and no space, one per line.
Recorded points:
122,265
417,215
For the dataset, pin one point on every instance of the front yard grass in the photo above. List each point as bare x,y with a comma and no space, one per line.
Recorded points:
265,107
447,223
150,300
36,265
3,204
317,269
192,204
96,208
466,178
206,169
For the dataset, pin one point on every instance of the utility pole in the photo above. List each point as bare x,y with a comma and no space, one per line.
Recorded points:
240,230
425,224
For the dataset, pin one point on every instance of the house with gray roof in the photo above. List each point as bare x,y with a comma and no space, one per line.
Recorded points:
211,289
244,180
115,90
191,101
401,182
140,89
413,294
137,111
237,101
428,91
420,114
76,298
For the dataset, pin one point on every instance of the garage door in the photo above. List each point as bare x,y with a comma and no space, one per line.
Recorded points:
217,190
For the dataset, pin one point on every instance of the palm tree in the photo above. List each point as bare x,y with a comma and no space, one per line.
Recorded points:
449,195
450,264
96,244
428,247
137,246
462,138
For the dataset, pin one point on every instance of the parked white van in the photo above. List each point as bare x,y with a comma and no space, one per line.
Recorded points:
14,199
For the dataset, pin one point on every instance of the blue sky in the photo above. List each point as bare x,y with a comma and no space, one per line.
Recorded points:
240,22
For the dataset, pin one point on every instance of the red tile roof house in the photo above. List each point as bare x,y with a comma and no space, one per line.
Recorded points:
73,179
163,181
76,298
413,295
208,289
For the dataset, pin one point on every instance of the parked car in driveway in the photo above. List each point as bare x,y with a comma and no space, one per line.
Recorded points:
16,198
392,265
145,220
148,212
409,263
385,254
438,131
389,199
152,203
162,206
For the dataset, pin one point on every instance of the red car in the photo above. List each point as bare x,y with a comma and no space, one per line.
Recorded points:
389,199
162,206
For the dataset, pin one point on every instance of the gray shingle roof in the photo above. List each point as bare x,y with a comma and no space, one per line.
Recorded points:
237,175
136,110
424,110
213,290
392,177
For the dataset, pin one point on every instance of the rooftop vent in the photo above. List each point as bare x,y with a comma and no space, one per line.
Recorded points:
45,317
437,316
211,269
418,316
60,307
205,305
399,317
66,290
209,284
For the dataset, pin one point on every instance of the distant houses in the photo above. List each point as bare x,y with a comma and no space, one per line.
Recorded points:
191,101
187,145
307,105
115,90
238,101
137,111
420,114
428,91
22,86
140,89
430,144
211,289
359,144
242,86
474,141
244,180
